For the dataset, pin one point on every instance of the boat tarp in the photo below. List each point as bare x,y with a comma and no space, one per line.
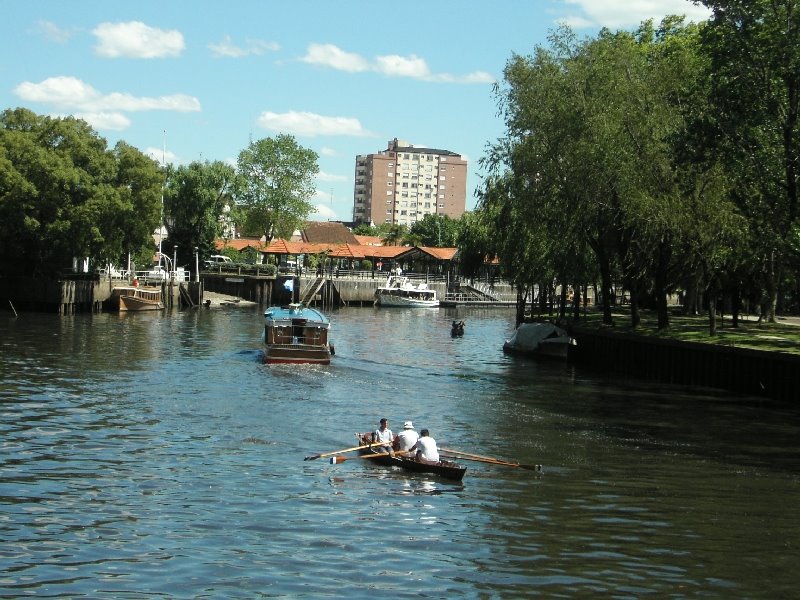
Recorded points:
528,336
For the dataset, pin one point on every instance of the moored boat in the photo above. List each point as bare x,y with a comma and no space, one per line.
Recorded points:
444,468
543,340
296,334
134,298
399,291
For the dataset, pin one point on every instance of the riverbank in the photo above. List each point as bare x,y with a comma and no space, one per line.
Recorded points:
759,359
782,336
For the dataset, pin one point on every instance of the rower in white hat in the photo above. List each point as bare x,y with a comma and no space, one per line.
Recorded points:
406,438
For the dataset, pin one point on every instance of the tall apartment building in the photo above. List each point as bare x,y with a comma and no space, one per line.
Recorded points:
403,183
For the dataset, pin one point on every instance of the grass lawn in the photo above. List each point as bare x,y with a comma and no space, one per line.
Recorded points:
781,336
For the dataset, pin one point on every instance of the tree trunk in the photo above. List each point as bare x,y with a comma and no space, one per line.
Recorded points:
636,317
520,316
690,303
576,302
544,292
736,306
660,286
772,291
712,314
605,286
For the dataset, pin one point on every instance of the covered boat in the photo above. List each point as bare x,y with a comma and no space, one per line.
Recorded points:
296,334
539,339
444,468
399,291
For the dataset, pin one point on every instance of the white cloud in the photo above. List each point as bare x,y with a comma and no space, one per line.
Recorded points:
618,14
323,213
137,40
53,32
101,111
402,66
70,93
325,151
311,124
160,154
113,121
328,55
322,176
226,48
392,65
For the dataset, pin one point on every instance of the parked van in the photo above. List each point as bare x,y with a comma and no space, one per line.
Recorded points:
217,259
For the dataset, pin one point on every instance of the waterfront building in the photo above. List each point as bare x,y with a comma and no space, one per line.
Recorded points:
402,184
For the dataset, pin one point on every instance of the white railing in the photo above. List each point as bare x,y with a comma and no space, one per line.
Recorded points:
377,275
153,276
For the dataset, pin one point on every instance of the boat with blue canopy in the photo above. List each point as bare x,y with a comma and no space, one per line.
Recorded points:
296,334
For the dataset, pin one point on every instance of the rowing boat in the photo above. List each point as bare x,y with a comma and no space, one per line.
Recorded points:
444,468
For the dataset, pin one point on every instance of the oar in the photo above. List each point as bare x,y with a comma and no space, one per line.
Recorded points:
353,449
462,453
337,460
488,460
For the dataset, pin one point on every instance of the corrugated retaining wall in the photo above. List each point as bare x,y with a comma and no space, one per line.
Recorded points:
740,370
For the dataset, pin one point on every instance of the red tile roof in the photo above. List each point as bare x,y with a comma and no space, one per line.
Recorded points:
348,251
369,240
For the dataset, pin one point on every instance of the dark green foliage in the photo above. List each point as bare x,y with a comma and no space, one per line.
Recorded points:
64,194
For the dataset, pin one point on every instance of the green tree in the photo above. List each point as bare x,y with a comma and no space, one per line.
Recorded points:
438,231
137,208
754,53
590,156
277,183
365,229
195,199
475,241
64,194
393,235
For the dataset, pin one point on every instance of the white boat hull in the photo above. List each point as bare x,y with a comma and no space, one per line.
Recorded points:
392,300
399,291
540,340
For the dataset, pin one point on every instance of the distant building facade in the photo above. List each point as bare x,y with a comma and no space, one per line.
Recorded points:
403,183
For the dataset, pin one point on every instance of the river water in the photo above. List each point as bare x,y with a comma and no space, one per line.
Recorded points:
154,455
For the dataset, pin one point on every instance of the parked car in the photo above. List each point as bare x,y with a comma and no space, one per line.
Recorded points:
217,259
155,275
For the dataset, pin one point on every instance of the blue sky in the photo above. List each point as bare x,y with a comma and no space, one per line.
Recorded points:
199,80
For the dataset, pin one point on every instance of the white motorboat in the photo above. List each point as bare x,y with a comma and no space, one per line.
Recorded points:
399,291
541,340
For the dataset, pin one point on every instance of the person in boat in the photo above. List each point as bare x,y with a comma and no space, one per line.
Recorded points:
406,439
426,448
383,435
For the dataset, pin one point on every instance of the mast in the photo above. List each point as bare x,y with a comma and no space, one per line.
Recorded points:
161,219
